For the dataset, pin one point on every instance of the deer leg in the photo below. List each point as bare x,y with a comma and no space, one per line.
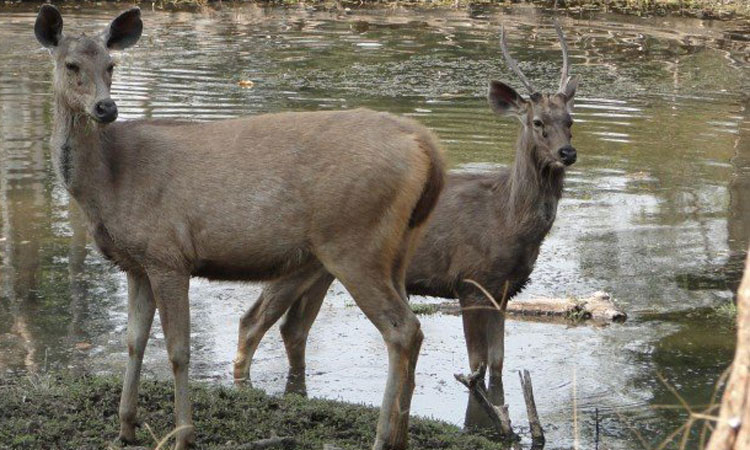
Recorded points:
141,307
474,315
295,329
388,311
171,293
495,355
273,302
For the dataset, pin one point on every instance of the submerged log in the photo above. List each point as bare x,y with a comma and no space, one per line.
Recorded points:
733,427
600,307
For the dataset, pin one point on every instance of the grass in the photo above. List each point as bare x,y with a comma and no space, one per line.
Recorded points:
727,311
80,412
424,309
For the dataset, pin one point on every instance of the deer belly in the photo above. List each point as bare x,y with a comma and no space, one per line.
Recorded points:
259,263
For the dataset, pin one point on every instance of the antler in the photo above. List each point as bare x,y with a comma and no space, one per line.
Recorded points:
512,63
564,77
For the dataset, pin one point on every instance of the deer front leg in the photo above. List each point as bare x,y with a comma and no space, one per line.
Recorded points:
141,307
171,294
495,355
474,315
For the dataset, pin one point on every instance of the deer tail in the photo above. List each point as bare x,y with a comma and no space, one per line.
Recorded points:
433,184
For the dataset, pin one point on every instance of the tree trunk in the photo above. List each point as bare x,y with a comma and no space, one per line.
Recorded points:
733,428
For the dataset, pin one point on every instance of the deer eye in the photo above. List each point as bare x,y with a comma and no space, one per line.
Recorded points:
73,67
538,123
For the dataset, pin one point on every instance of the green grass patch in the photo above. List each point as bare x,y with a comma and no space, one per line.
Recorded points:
727,311
80,412
423,309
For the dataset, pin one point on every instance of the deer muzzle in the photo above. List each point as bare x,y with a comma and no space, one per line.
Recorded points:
568,155
105,111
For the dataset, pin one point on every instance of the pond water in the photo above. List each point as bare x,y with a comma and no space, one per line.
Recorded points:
656,211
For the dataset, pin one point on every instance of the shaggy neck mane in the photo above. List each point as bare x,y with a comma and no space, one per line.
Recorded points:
531,182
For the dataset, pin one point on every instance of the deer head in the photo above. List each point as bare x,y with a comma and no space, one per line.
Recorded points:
546,118
83,65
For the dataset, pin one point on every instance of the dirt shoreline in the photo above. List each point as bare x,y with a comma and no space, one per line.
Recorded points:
80,412
702,9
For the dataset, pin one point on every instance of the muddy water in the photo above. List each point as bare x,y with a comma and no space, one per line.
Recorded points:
656,211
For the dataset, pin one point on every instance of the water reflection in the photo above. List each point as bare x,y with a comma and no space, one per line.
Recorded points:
655,211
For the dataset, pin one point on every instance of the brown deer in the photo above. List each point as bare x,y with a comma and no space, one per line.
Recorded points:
487,227
291,196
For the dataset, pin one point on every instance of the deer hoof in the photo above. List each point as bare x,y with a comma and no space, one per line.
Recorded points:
127,433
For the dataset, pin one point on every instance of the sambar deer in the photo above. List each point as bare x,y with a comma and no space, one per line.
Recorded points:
290,196
487,227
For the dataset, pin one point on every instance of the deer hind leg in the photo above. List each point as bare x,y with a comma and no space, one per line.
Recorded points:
295,329
272,303
387,310
141,308
171,293
369,279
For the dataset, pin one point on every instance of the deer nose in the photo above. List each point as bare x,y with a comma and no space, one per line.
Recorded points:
567,154
105,111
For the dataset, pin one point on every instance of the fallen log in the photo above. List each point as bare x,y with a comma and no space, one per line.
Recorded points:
600,307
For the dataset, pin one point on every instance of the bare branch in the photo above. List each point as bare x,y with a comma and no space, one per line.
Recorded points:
512,63
537,433
497,414
564,77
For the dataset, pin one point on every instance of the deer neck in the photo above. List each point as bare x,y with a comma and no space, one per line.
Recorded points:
78,157
534,188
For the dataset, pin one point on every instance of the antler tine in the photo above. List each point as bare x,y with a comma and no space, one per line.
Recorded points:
566,67
512,63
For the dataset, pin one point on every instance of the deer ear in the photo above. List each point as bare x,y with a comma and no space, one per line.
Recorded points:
504,99
570,90
48,26
125,30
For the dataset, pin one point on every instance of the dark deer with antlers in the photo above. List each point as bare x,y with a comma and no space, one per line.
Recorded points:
486,227
293,197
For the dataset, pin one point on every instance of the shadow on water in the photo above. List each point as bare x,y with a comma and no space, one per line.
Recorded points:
655,211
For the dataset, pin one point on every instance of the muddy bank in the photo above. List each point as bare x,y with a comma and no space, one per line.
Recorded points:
703,9
62,411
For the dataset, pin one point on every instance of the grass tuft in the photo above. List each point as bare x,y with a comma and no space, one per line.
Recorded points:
65,411
424,309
